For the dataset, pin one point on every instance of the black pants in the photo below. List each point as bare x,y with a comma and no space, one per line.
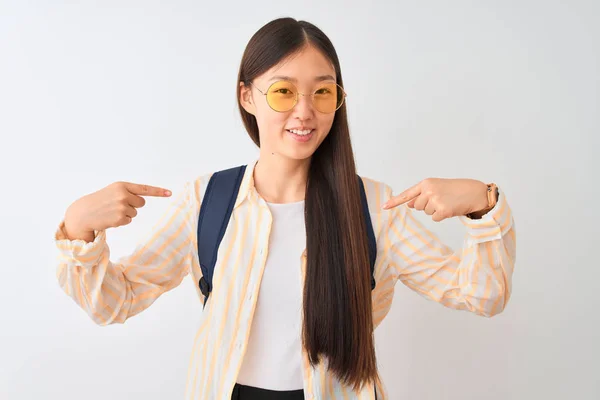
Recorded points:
241,392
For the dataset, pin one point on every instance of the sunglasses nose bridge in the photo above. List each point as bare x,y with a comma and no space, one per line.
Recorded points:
309,106
298,94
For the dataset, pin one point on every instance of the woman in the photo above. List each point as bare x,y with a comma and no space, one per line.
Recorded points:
297,236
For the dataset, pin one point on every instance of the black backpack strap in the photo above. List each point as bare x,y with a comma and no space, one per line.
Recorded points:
370,233
215,211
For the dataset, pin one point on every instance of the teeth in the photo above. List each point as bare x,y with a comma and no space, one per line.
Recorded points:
301,133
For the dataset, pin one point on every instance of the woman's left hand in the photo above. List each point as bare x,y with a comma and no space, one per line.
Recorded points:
443,198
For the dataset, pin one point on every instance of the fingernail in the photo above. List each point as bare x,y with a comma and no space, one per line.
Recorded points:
167,192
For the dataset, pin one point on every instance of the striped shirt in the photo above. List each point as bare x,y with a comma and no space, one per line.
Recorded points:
477,278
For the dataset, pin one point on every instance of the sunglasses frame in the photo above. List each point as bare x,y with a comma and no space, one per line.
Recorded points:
300,94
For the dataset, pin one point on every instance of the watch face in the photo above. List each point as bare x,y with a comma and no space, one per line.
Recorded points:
493,198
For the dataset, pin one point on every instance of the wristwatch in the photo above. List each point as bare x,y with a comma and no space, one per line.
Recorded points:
492,195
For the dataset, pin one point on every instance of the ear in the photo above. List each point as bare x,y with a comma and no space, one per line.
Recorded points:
246,99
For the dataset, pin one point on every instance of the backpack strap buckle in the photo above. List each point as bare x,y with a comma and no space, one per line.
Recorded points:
204,287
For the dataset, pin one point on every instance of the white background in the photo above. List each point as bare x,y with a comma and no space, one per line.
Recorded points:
95,92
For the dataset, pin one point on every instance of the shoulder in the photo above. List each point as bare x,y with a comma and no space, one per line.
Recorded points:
191,192
198,186
377,192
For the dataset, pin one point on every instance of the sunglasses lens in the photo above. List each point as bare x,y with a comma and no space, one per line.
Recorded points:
328,97
282,96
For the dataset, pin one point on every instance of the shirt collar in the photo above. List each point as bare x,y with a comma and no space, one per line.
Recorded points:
247,185
247,188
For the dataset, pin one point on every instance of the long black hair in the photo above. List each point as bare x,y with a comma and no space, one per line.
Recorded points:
338,322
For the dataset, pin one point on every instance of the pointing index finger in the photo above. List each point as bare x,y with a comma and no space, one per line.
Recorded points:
403,197
147,190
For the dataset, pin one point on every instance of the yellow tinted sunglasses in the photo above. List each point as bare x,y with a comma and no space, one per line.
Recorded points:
283,95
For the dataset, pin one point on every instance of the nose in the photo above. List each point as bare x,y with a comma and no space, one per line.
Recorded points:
304,108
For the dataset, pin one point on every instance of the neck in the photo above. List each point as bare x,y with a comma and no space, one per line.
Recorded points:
279,179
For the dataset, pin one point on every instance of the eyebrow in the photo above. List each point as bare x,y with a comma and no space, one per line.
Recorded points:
289,78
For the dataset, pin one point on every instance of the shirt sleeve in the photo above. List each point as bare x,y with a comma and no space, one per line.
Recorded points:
477,278
111,292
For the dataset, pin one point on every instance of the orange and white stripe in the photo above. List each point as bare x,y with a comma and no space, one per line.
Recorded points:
477,278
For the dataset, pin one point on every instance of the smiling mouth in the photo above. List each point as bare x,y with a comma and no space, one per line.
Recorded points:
300,132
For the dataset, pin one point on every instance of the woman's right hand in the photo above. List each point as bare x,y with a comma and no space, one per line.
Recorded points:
110,207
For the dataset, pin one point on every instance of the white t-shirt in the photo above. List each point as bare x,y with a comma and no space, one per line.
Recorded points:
273,358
